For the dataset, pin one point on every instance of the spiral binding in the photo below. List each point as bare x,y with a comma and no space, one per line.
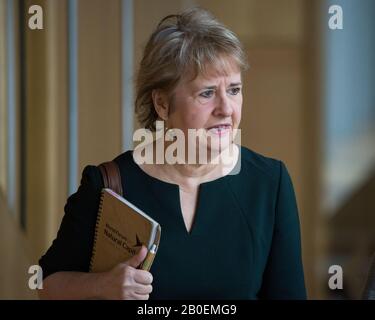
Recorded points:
96,230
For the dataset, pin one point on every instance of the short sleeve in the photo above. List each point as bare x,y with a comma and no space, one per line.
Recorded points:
71,250
284,277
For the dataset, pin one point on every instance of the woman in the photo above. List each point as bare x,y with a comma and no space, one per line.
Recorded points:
226,233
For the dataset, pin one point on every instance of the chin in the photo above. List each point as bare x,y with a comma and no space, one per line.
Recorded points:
220,148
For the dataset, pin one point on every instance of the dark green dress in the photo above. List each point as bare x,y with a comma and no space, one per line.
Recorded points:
244,242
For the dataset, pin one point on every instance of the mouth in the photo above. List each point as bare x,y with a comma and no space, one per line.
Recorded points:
220,129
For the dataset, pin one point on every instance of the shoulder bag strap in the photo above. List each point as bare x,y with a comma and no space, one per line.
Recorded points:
111,176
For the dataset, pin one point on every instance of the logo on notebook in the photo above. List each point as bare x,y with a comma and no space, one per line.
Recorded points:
138,242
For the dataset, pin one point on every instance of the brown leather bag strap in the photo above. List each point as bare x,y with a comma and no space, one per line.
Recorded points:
111,176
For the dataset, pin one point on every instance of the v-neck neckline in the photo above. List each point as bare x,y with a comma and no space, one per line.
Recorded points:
196,214
176,198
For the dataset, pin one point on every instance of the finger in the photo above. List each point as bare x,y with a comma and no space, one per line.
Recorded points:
143,289
137,296
142,277
137,259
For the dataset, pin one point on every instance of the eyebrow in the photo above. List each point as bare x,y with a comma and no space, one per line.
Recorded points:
231,85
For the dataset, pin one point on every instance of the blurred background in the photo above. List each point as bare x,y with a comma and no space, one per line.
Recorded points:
66,100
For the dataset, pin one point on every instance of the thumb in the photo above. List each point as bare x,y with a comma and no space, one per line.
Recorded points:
137,259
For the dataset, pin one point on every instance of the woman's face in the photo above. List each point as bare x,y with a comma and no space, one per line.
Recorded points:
212,102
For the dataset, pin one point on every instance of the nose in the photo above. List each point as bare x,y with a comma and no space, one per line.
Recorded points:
223,106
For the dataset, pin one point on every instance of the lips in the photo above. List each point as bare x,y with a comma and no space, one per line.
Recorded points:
220,126
220,129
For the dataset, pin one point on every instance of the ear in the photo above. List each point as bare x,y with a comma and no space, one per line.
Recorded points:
161,103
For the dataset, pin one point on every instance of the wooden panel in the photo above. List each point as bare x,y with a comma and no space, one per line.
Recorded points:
273,105
36,134
3,99
46,131
265,20
15,260
99,81
57,115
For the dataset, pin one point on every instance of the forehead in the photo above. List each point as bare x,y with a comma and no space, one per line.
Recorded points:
226,68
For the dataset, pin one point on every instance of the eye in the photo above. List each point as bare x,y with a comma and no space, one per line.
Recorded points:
234,91
207,94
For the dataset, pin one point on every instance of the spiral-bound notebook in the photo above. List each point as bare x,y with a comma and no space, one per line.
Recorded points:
121,229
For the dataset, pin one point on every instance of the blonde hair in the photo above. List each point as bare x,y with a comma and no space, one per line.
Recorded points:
182,43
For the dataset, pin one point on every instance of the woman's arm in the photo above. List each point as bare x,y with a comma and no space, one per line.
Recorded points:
123,282
284,277
66,263
72,248
71,285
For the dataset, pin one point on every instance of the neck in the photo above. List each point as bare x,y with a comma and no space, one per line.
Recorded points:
187,176
190,175
192,170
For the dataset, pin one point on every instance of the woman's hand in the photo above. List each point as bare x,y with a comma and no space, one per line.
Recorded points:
125,281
